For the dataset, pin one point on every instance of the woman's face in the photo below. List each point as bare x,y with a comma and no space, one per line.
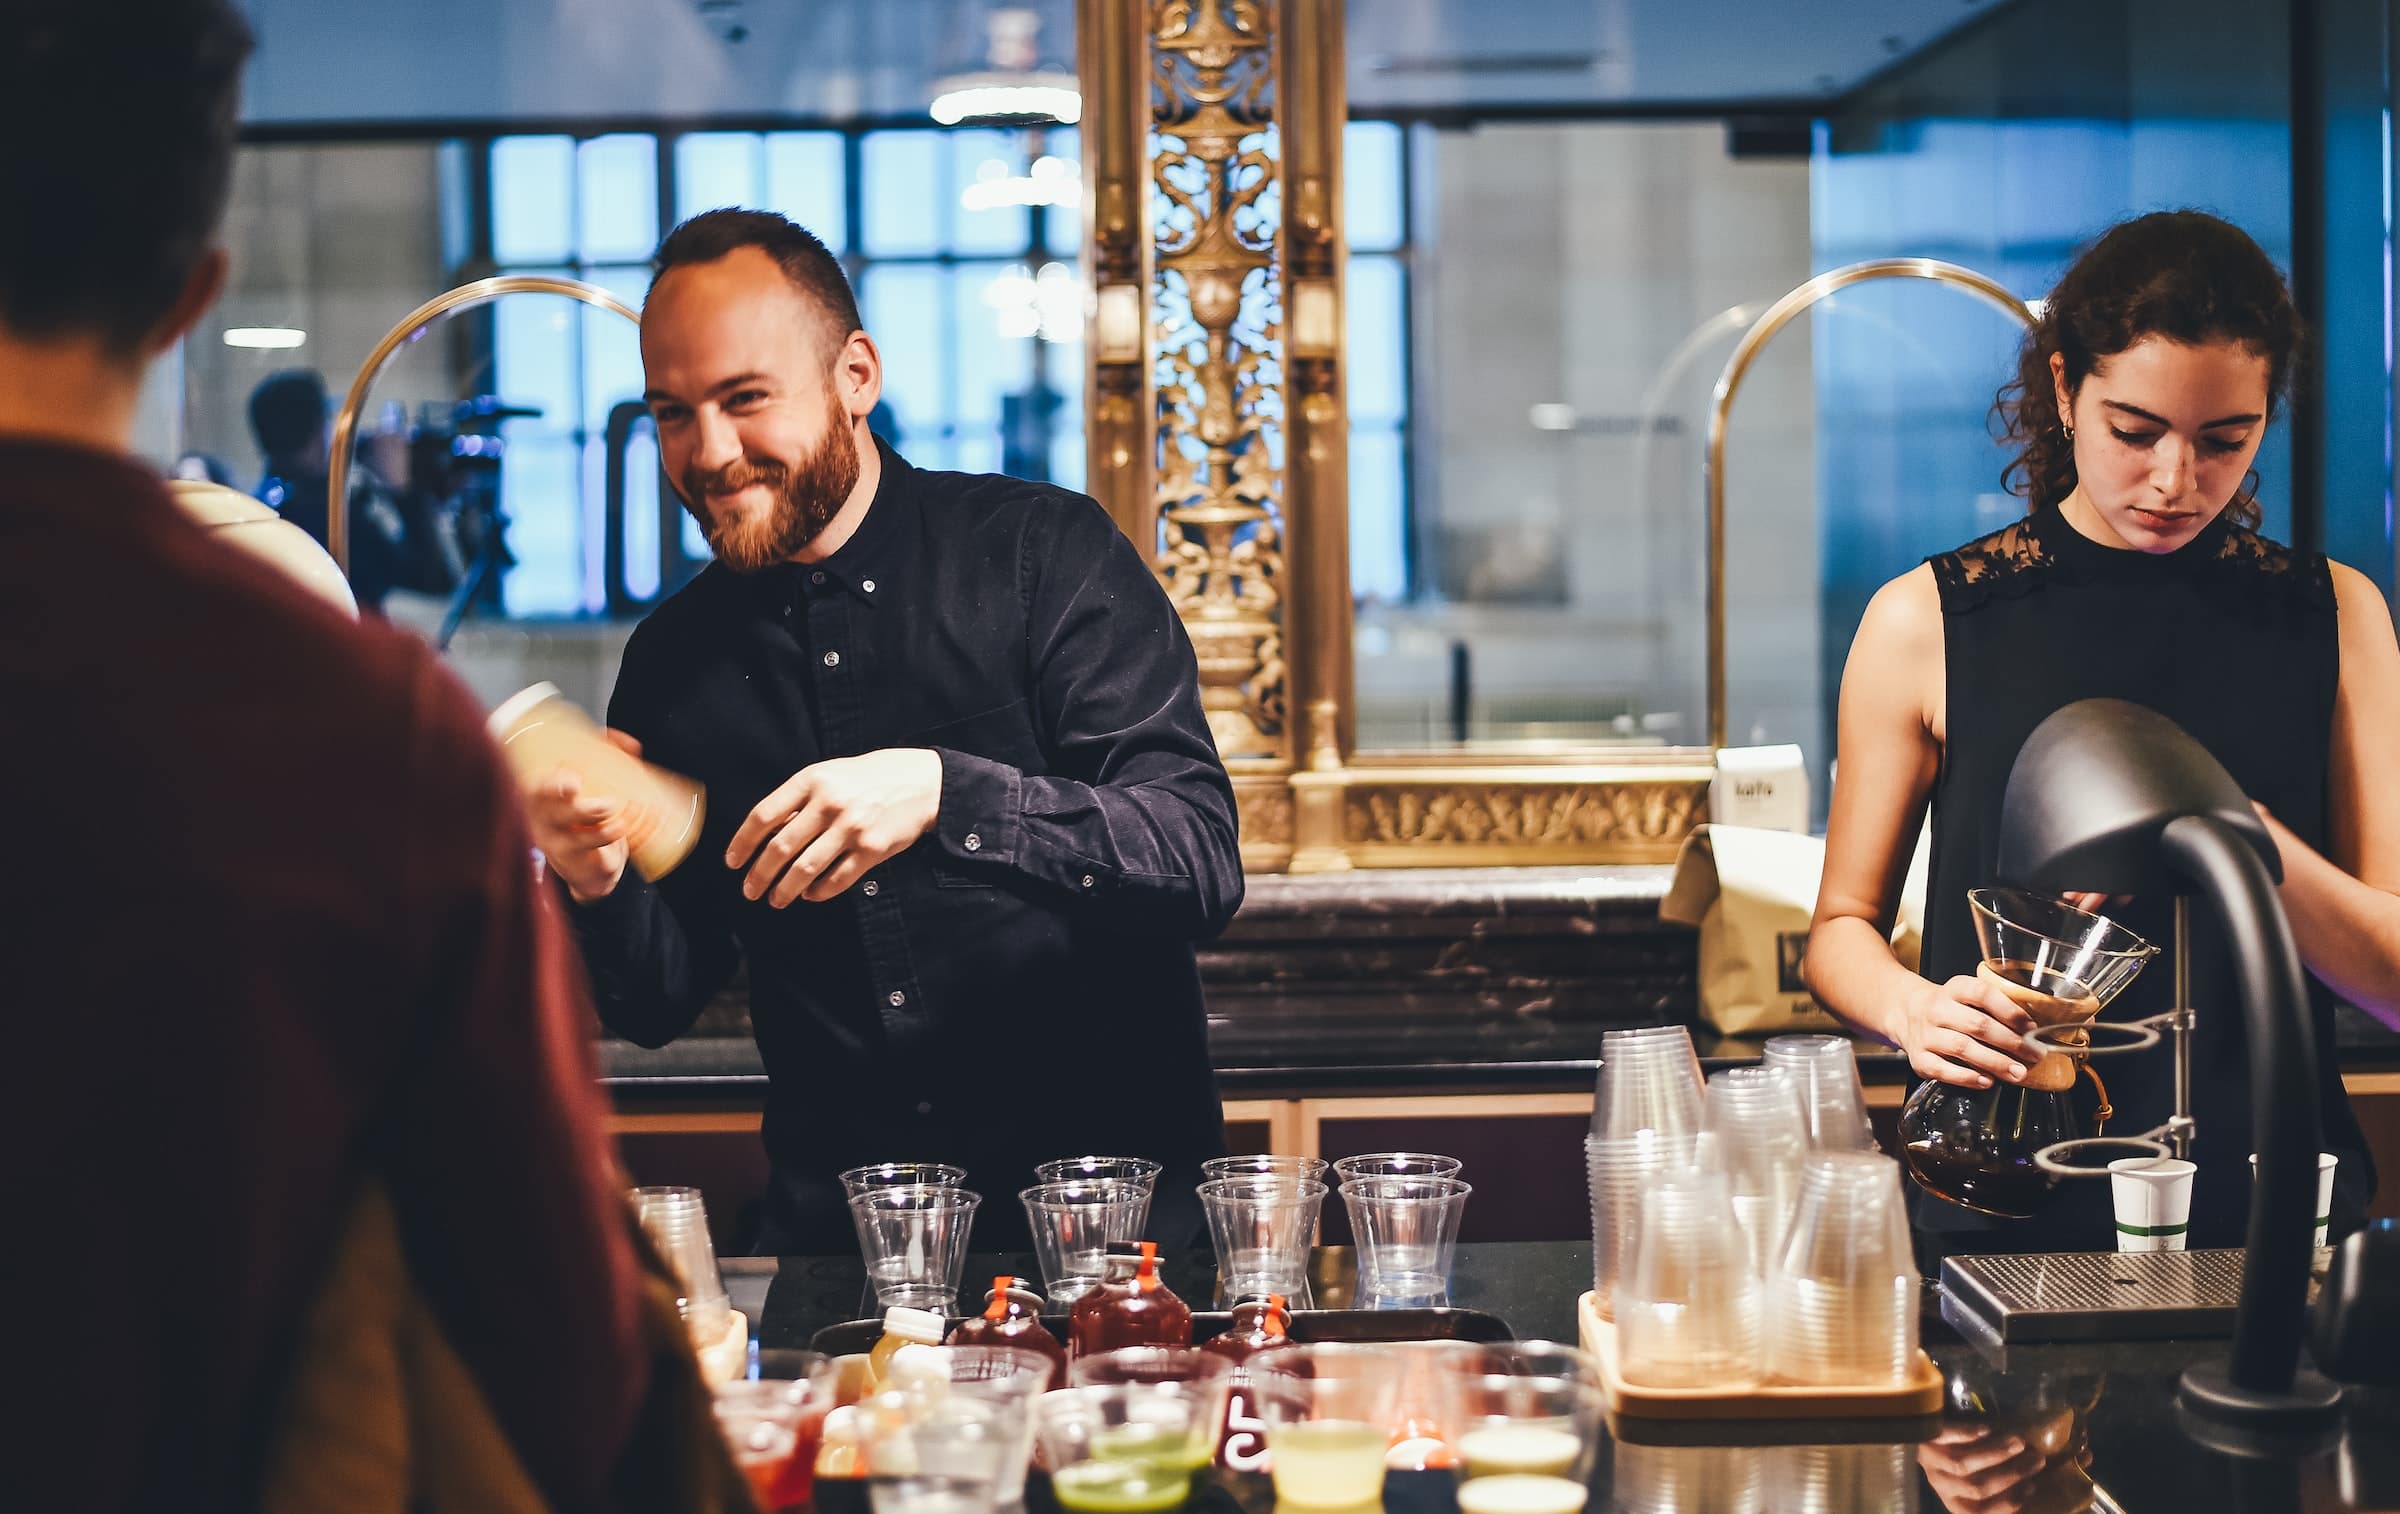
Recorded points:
2164,434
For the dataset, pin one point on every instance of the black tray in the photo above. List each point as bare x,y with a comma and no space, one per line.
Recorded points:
1361,1326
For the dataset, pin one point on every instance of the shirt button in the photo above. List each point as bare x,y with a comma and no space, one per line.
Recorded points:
897,998
873,888
973,843
1087,880
924,1106
833,659
869,586
816,578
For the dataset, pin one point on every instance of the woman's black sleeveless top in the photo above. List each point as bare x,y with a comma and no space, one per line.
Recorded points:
2235,639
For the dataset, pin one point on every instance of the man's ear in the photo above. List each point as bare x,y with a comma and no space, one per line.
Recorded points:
858,375
200,291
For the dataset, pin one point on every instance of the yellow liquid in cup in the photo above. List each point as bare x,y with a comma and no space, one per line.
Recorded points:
1548,1450
1520,1493
1126,1486
1328,1463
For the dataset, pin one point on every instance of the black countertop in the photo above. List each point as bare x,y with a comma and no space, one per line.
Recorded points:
2056,1427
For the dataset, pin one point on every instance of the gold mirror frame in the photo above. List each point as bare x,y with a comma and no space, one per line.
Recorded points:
414,325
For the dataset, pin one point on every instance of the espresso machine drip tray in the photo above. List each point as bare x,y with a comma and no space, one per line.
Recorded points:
2092,1295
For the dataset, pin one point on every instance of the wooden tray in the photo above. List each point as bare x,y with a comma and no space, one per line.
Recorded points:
1920,1395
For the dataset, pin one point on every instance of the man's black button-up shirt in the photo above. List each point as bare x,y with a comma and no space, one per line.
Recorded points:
1020,984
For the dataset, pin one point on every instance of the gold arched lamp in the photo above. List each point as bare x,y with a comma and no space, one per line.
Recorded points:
1779,315
414,325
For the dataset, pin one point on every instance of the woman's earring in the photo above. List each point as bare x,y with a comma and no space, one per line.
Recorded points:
2068,432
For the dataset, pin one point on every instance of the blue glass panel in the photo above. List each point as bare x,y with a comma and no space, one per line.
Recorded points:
804,182
1067,460
1378,516
903,193
905,311
1378,331
534,356
617,197
973,154
592,511
714,169
695,545
533,196
1372,189
977,450
641,511
992,337
1062,231
612,347
538,490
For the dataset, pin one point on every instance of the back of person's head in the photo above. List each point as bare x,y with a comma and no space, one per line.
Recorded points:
812,268
2183,275
287,412
120,118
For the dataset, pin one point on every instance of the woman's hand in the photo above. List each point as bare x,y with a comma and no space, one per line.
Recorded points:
1965,1032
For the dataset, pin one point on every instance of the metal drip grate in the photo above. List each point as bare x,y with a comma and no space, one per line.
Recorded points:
2094,1295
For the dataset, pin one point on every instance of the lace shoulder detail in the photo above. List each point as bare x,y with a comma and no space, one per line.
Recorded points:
2252,563
2012,560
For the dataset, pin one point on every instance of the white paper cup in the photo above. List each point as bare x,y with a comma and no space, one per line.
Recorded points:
2326,1162
2154,1202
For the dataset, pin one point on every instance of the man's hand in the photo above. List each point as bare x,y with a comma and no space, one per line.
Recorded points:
581,835
826,825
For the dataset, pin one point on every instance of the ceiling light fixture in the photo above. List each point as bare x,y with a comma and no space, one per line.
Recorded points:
1013,88
272,338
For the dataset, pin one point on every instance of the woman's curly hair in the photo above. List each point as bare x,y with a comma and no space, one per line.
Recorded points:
2181,274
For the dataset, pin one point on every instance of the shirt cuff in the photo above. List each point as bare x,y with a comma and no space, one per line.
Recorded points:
612,911
981,803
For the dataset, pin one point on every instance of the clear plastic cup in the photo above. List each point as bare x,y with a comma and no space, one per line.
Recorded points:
925,1494
676,1221
1618,1169
1524,1424
1004,1379
1689,1479
1825,1071
902,1175
1073,1224
1263,1166
914,1240
1202,1372
1126,1448
1262,1227
1328,1412
1406,1234
1843,1296
1141,1172
540,731
807,1380
1687,1310
1754,1132
1396,1164
950,1436
761,1423
1649,1080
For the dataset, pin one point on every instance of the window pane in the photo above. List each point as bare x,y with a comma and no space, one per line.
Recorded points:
996,316
532,199
617,199
612,347
1062,229
978,450
641,511
1371,186
538,490
904,311
534,357
804,182
901,194
1378,322
973,155
1378,516
714,169
458,214
1066,461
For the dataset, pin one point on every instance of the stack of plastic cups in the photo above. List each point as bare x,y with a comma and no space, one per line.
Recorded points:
1141,1172
1073,1224
1682,1479
1687,1308
914,1239
1645,1120
1754,1132
1262,1227
1838,1479
1824,1071
1843,1294
677,1224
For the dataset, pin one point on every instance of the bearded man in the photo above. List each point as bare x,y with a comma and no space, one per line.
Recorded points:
965,818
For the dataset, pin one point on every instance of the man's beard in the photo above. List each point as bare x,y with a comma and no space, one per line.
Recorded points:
805,499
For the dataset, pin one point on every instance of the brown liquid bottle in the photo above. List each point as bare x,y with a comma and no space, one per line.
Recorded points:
1011,1319
1259,1324
1131,1308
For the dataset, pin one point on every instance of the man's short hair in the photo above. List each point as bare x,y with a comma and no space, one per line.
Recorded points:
287,411
120,121
804,260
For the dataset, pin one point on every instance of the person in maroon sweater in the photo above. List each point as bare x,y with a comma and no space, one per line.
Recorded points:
269,926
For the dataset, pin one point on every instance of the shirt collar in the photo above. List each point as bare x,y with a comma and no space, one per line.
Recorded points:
861,565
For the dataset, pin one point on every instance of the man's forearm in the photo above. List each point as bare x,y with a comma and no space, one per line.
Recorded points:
648,983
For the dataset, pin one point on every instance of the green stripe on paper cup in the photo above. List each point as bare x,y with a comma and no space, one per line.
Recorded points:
2124,1228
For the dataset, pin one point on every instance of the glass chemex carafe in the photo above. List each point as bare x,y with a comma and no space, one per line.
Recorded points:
1976,1147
